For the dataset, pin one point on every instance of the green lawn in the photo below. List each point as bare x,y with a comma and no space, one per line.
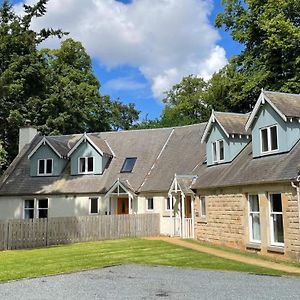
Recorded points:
74,257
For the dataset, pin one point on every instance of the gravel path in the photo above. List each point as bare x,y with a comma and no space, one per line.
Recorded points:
144,282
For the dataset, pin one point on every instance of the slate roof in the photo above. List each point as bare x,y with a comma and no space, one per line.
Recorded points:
288,104
245,170
233,123
160,154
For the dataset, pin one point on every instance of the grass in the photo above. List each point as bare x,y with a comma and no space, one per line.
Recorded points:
19,264
246,253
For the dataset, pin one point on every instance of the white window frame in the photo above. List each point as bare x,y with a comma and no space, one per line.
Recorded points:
273,243
37,202
217,158
45,167
171,204
147,204
201,200
86,165
90,205
24,208
250,219
269,139
35,207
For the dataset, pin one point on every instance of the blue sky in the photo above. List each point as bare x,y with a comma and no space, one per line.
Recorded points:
140,48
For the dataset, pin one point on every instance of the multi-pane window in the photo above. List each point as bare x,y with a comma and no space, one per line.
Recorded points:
150,204
269,141
86,165
276,220
35,208
94,206
168,203
254,219
202,207
29,209
42,208
218,151
45,166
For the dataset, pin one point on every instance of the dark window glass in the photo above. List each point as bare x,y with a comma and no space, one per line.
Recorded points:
94,205
128,164
215,151
90,164
29,203
264,139
221,145
49,166
150,204
28,214
274,144
43,208
41,166
276,203
82,165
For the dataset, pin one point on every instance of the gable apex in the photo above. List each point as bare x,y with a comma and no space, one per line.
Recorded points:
44,141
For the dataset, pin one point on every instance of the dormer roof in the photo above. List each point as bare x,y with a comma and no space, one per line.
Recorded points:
99,144
286,105
230,123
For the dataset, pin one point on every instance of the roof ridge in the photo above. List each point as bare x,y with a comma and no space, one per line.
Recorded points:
231,113
284,93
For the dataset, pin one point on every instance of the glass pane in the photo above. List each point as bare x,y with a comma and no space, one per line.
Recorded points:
28,214
168,203
43,213
90,164
29,203
150,203
215,151
254,203
276,204
255,227
128,164
94,205
49,166
221,145
41,166
278,229
43,203
274,144
264,140
82,165
203,207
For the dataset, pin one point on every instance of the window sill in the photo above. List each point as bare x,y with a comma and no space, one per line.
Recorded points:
202,220
277,249
254,246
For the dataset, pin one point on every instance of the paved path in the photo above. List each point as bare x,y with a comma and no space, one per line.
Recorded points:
230,255
145,282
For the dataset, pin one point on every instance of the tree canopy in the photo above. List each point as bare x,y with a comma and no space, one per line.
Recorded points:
55,89
269,30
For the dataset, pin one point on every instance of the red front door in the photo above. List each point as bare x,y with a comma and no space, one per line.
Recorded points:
122,206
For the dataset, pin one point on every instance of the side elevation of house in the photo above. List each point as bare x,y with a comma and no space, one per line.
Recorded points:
249,197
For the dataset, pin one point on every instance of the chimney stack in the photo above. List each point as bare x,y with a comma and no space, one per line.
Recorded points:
26,134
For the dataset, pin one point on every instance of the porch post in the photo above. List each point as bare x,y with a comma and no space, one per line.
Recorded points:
183,215
193,216
129,205
171,227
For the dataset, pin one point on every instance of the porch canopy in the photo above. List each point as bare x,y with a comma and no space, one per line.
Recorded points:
120,189
182,201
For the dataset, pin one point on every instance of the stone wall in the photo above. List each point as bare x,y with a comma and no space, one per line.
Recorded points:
227,221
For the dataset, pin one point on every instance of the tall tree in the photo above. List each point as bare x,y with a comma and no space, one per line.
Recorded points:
270,33
22,69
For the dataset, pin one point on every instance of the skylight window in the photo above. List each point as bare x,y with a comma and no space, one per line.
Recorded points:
128,165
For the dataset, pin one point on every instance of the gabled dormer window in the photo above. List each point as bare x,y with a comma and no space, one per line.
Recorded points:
218,151
45,167
86,165
268,139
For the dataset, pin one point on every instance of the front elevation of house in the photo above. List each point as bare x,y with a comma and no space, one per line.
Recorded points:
231,181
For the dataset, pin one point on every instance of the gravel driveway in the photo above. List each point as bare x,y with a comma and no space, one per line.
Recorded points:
143,282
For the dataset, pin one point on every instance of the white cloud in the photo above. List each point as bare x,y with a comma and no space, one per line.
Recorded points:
164,39
124,84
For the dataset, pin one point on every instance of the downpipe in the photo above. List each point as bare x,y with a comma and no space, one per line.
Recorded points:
298,199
